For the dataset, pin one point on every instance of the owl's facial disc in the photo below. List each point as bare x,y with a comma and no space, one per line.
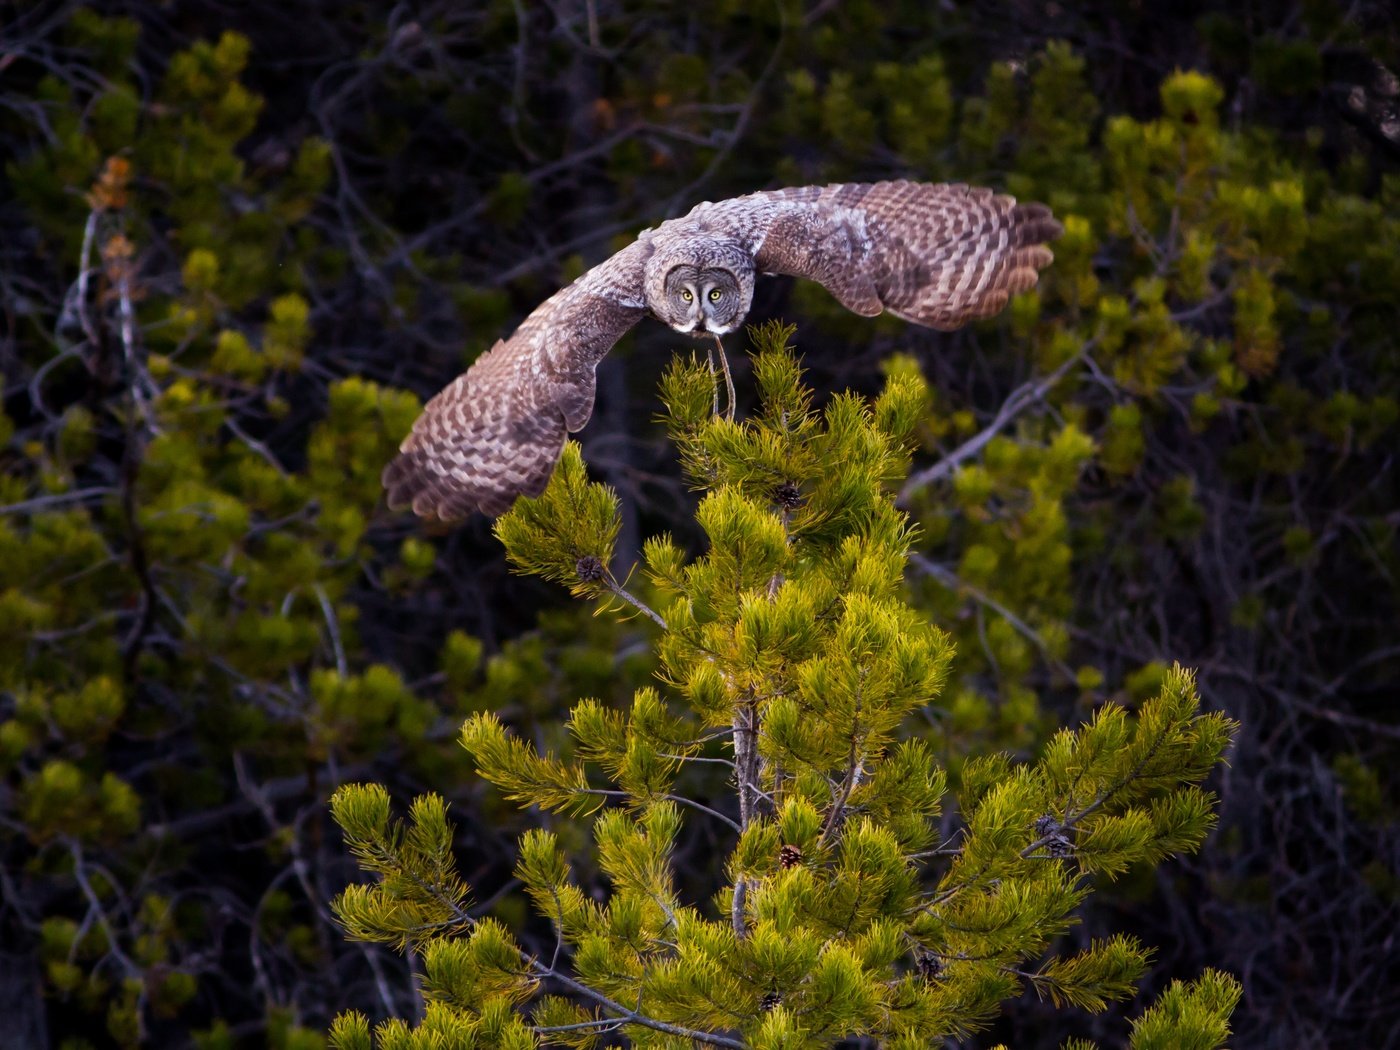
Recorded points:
721,302
683,310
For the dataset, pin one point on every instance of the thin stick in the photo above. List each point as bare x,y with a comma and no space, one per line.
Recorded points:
728,380
29,506
714,383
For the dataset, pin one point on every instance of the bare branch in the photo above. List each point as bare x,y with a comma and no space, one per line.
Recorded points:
1022,398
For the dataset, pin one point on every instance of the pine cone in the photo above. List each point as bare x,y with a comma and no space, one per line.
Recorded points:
788,496
930,967
589,569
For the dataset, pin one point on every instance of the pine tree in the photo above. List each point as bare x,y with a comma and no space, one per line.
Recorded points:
855,898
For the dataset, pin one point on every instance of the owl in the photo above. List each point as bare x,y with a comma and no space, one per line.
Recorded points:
938,255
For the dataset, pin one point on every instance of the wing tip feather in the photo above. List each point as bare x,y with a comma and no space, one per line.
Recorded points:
483,477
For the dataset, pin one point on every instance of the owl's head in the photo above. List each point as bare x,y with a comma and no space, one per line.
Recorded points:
709,290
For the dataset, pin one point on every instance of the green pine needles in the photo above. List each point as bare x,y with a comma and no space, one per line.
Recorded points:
849,897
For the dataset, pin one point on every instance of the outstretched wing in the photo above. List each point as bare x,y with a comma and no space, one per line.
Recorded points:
497,430
939,255
936,255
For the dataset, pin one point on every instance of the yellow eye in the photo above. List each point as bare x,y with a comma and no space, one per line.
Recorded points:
686,295
715,295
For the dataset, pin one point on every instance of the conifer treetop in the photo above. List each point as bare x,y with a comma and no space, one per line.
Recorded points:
854,895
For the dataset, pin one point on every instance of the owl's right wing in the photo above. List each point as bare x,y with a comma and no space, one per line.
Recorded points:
936,254
497,430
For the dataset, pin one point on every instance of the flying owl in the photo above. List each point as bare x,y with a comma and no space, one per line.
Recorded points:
938,255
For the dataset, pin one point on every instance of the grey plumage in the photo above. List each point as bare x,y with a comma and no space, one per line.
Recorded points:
934,254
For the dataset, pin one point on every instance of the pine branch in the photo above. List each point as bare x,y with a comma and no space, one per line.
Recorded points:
629,1016
681,799
610,584
1102,799
851,778
603,1025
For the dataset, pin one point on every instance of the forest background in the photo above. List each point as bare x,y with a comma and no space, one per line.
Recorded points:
239,243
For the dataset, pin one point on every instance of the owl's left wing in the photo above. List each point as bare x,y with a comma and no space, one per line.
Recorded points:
936,254
496,431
